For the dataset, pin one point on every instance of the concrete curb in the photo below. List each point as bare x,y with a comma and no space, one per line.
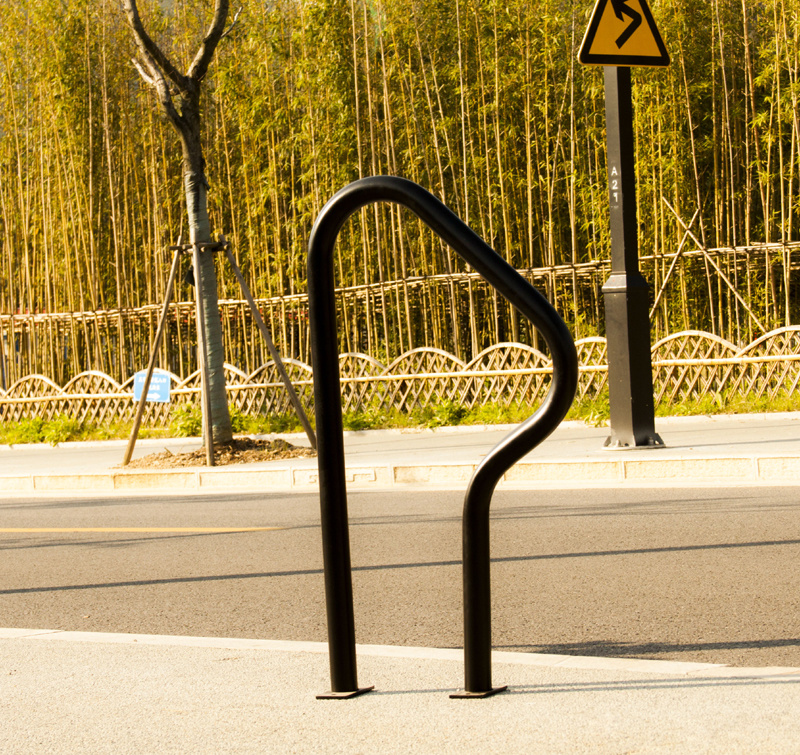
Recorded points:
598,663
767,469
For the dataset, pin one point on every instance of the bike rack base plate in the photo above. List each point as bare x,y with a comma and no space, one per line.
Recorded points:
344,695
478,695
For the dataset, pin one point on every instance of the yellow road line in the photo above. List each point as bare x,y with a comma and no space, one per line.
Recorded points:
62,530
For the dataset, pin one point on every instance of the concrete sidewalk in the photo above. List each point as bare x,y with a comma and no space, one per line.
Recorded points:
762,448
79,692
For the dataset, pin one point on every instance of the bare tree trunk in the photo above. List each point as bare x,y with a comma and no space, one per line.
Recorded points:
183,111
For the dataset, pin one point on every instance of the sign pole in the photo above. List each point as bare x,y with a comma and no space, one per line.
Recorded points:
623,33
630,371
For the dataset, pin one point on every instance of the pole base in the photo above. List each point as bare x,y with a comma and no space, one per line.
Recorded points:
612,443
465,695
344,695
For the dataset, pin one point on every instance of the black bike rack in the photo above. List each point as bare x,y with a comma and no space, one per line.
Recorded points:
330,439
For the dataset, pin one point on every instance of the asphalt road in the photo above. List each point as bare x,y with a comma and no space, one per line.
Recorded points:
704,574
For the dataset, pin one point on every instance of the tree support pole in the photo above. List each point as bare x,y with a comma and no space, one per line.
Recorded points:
137,422
207,433
276,357
626,295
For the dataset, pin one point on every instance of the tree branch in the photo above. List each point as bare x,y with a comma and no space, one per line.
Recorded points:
233,24
202,60
148,79
157,80
155,58
165,98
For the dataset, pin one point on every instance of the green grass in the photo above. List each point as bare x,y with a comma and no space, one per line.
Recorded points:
63,428
593,412
187,421
718,403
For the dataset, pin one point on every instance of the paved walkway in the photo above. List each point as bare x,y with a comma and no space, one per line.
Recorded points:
67,692
739,448
83,692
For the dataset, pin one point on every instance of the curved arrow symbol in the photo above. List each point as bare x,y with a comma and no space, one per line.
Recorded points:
621,10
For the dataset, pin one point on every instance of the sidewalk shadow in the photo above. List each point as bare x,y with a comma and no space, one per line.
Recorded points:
658,684
605,649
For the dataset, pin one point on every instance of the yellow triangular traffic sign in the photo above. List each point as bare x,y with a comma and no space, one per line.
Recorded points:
623,33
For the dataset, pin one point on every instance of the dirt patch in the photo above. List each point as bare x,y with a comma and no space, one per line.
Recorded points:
238,451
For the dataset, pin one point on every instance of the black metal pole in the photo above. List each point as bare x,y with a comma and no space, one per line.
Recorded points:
477,561
330,458
330,443
630,372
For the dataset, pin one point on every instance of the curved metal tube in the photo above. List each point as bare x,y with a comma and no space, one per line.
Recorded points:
328,409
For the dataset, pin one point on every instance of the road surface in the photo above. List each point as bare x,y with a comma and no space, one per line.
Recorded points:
694,574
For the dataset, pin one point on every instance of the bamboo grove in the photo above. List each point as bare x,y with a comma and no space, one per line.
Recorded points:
481,102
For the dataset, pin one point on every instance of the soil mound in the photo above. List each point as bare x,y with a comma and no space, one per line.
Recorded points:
238,451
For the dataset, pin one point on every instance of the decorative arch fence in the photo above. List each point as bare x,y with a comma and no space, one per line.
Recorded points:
687,365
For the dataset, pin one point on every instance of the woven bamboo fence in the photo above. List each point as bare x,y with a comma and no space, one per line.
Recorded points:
458,313
686,365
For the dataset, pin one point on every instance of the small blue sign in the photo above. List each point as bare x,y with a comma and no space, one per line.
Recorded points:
159,386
